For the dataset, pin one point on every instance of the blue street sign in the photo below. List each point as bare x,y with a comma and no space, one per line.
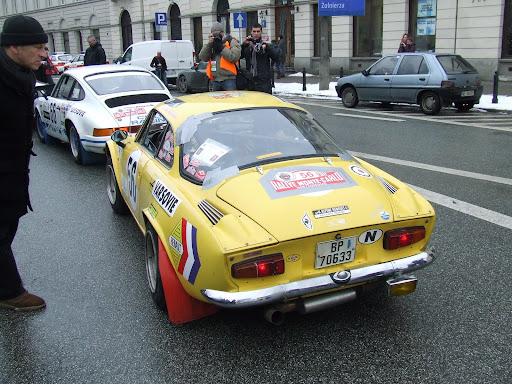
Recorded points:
341,7
160,18
240,19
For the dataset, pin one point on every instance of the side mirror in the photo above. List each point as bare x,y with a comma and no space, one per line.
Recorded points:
365,72
118,137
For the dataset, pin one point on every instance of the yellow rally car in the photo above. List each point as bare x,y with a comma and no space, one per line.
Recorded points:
245,200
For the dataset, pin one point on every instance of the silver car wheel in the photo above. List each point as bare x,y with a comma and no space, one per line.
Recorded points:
182,84
151,259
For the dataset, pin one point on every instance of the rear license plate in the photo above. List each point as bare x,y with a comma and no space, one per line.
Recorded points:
335,252
467,93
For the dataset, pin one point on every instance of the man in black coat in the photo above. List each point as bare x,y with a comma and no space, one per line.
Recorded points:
22,48
257,55
95,54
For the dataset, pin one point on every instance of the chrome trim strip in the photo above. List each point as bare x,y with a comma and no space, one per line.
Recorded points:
288,291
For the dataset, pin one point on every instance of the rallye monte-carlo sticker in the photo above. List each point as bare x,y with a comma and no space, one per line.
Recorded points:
183,241
292,181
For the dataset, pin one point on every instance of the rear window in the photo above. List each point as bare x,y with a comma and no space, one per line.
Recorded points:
107,83
453,65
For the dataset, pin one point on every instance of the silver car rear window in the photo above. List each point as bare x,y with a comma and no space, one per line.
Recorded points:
453,64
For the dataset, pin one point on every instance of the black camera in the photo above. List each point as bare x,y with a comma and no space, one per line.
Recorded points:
217,37
251,39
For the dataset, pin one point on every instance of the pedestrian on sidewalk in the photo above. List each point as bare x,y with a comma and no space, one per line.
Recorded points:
95,54
22,49
222,53
160,65
402,45
282,56
257,55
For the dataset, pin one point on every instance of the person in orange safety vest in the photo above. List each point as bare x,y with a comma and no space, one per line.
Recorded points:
222,52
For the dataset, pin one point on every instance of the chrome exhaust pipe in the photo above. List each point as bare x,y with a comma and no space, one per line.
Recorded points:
329,300
275,314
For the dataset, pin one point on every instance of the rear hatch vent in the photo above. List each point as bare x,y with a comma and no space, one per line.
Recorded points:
390,187
212,213
136,99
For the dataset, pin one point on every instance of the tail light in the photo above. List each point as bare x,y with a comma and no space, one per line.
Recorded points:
403,237
109,131
447,84
260,267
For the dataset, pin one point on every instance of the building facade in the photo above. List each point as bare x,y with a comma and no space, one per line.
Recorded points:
479,30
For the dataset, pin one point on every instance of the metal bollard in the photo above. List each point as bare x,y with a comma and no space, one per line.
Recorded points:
495,89
303,79
341,72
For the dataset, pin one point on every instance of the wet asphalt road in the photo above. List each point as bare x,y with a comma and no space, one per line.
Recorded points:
100,325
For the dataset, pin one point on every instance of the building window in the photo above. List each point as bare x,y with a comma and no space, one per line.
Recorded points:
65,39
316,22
422,23
252,18
368,30
156,31
174,16
507,31
198,35
223,15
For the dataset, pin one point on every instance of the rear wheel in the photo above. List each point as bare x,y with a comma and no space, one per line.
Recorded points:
152,269
430,103
77,150
464,107
182,84
114,194
40,128
349,97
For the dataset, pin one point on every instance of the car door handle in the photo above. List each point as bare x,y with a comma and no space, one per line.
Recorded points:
387,79
422,79
182,61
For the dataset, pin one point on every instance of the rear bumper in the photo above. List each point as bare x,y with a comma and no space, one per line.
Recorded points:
316,285
454,95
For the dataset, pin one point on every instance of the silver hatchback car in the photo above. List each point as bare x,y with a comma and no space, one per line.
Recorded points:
428,79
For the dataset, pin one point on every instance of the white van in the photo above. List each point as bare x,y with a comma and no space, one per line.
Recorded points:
178,54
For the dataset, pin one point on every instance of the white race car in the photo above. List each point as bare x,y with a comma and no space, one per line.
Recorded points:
89,103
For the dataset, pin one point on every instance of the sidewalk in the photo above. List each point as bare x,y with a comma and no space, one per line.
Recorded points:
292,85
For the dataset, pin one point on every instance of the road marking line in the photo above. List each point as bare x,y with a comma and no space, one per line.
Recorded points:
367,117
440,119
435,168
464,207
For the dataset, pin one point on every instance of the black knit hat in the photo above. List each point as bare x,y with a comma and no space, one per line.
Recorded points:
22,30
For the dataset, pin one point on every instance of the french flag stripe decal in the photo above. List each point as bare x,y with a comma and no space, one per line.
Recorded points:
189,263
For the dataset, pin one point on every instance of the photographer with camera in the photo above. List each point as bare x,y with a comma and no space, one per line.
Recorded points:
222,53
257,56
160,65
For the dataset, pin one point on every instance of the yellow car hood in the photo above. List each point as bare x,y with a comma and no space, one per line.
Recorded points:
305,200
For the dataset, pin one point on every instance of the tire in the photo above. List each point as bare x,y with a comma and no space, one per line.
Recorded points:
430,103
349,97
152,269
182,84
40,129
114,194
77,150
464,107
